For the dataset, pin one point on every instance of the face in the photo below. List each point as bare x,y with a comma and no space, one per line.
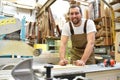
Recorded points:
75,15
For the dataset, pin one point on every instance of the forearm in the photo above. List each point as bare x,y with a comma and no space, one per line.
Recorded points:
88,51
62,49
62,52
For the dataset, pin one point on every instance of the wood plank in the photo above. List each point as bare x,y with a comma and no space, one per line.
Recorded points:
117,10
114,2
45,6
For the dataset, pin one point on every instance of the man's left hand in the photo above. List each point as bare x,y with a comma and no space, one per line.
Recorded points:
79,63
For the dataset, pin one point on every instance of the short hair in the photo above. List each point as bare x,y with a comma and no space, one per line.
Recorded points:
74,6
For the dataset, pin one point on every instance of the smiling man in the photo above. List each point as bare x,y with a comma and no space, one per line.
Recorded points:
82,34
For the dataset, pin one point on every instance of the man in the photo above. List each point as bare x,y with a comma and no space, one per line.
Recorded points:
82,34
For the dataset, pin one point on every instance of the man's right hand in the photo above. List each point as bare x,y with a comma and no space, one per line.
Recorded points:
63,62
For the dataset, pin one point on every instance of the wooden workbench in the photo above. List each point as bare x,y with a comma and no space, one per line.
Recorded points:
93,72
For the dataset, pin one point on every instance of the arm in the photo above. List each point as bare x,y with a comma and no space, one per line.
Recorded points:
62,50
88,50
89,46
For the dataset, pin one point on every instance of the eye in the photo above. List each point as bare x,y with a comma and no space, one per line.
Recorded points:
75,13
71,13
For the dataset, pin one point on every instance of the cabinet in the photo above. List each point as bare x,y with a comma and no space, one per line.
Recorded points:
104,34
116,6
107,24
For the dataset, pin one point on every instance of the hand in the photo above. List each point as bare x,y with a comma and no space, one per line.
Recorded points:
79,63
63,62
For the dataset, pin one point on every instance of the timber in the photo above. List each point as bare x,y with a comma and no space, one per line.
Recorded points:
45,6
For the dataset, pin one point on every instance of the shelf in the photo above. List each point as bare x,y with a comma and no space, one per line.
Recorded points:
23,6
97,20
103,37
117,30
18,5
52,38
100,19
117,19
117,10
97,45
114,2
52,45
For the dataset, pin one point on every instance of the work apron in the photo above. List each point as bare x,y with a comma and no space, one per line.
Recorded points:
79,42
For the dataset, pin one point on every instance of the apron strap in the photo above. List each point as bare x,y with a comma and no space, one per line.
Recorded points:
85,26
71,28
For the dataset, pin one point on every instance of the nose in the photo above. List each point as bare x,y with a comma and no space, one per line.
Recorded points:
74,15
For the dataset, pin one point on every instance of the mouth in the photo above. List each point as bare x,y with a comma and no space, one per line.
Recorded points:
75,21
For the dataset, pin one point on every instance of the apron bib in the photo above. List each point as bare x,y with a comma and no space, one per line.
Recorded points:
79,42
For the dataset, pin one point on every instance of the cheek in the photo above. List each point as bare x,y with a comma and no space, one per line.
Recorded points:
72,17
75,17
79,17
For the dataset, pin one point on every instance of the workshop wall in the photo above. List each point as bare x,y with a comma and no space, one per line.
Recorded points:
17,12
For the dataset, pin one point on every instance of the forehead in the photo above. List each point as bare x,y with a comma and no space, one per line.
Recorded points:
75,9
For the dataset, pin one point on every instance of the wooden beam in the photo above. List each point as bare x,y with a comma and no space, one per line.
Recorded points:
45,6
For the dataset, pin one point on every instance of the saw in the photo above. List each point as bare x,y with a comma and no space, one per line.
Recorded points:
15,47
9,25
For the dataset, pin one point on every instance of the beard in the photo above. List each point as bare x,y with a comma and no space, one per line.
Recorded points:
76,21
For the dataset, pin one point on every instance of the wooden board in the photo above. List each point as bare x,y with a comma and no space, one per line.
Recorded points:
58,67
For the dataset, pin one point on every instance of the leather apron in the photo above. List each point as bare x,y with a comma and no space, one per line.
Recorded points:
79,42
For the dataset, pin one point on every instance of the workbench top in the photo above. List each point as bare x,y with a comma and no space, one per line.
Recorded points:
72,69
58,70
